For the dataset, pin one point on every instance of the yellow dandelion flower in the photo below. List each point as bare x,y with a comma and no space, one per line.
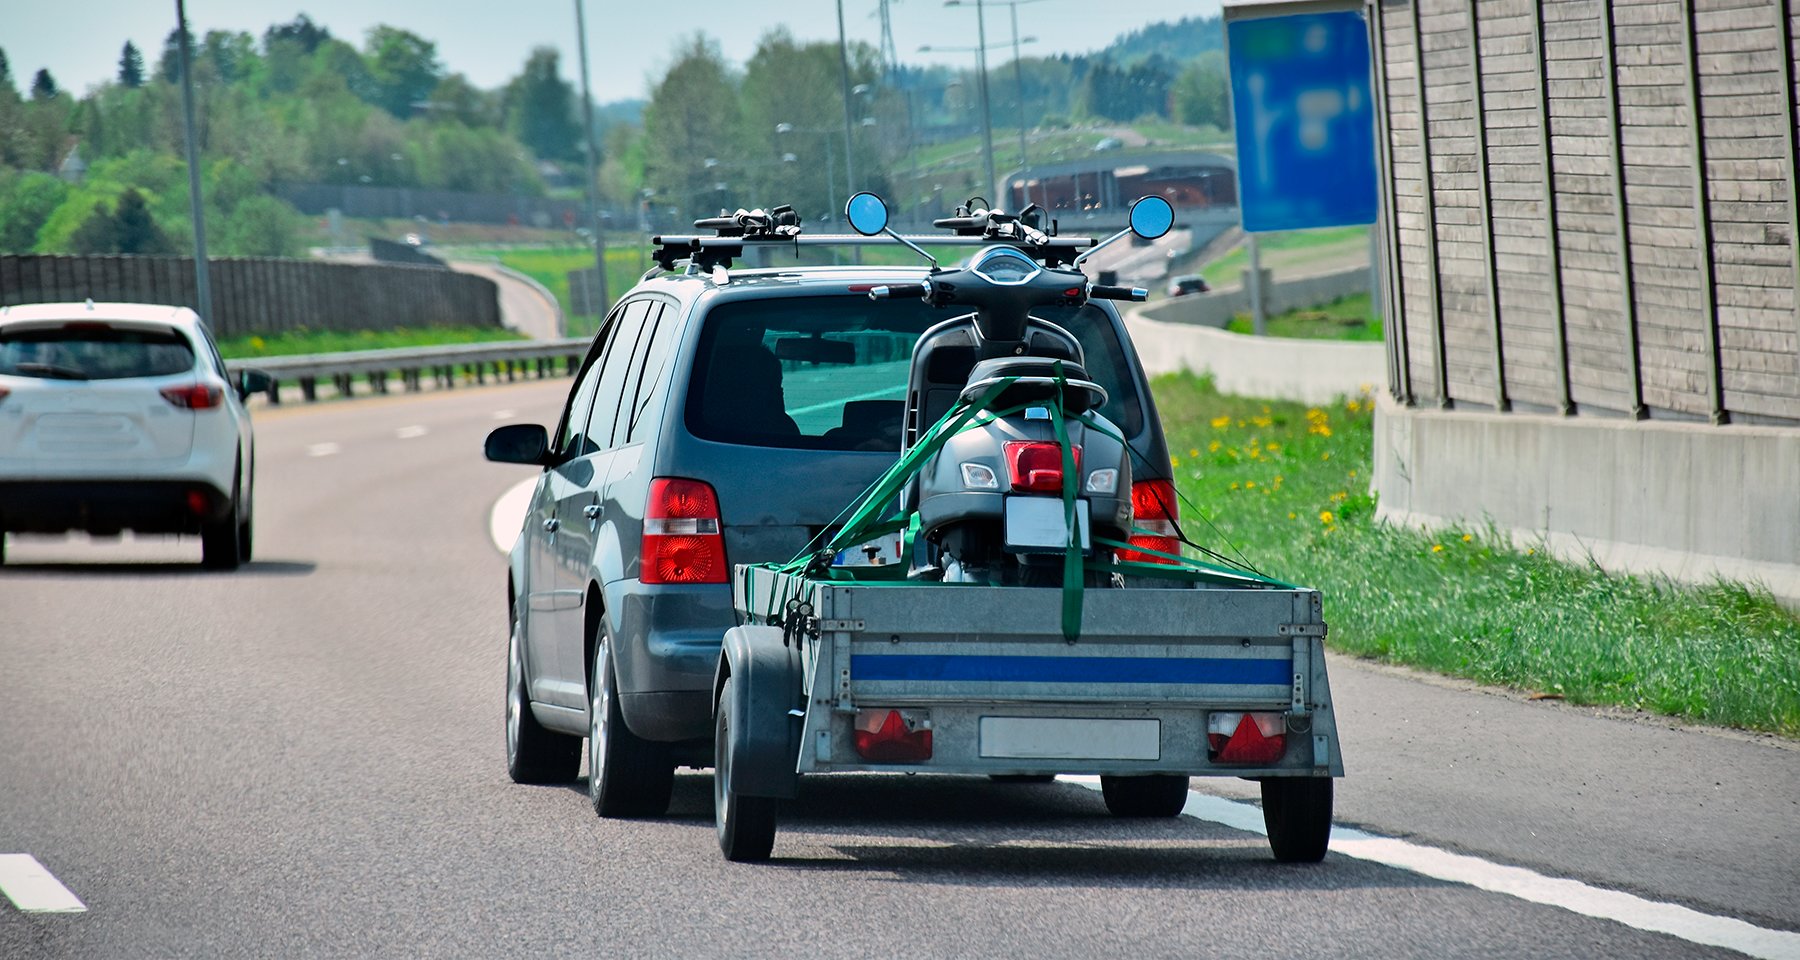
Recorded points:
1174,461
1325,456
1531,552
1273,447
1213,447
1278,479
1353,474
1193,453
1292,515
1265,408
1250,485
1234,484
1467,537
1220,423
1325,516
1437,548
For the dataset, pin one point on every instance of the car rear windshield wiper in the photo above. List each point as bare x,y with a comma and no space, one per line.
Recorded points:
51,370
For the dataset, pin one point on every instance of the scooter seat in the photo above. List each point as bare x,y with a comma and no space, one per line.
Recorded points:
1038,380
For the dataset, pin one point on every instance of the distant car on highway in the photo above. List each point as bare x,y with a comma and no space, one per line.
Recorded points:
1108,143
719,418
122,416
1189,283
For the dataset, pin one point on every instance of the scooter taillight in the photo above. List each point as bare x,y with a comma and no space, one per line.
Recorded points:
1153,515
1037,466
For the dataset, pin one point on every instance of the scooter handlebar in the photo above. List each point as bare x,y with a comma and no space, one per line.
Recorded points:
897,291
1100,291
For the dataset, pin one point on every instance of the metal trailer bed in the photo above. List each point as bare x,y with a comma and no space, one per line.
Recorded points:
988,672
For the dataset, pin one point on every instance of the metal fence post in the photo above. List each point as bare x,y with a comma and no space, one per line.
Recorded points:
1703,219
1430,196
1610,71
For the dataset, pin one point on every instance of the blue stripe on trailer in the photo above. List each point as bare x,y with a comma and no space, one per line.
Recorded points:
884,666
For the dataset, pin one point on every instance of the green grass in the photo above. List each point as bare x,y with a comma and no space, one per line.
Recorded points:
1289,486
1346,318
1287,249
321,341
550,266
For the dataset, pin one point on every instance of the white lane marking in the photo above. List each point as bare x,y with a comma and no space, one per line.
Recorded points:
503,414
34,889
409,433
322,449
507,517
1572,895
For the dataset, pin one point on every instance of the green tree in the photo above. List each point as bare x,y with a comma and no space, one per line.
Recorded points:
300,31
541,108
404,67
168,66
137,229
43,86
261,226
456,100
232,56
131,66
27,199
1202,92
691,113
6,79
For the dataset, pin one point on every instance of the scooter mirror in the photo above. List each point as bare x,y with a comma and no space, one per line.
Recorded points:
867,213
1151,217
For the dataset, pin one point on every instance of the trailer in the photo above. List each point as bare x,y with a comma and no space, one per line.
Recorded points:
1221,676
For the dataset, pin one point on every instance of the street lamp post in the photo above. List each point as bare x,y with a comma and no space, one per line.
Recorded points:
1018,69
593,201
987,127
202,283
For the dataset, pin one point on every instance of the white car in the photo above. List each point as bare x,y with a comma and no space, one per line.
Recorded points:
122,416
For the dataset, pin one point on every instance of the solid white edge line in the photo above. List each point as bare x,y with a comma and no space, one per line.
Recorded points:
1572,895
34,889
507,517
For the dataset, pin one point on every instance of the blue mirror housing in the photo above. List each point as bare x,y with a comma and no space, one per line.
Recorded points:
867,213
1151,217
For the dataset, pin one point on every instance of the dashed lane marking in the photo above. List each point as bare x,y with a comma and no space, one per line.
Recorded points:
1572,895
411,433
34,889
502,414
322,449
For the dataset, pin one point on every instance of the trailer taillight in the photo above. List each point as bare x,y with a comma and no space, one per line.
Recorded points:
1153,511
1246,737
1037,466
682,542
893,736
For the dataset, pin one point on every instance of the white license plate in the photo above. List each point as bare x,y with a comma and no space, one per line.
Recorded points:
1038,523
1070,738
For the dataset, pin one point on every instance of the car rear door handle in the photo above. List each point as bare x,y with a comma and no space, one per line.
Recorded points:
551,524
591,511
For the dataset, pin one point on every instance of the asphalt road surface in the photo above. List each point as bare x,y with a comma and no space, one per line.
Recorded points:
304,758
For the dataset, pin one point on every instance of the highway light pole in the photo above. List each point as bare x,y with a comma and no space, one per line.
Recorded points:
1018,70
197,211
593,200
981,77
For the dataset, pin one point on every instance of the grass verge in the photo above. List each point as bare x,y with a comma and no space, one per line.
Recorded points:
1280,252
1346,318
322,341
1288,485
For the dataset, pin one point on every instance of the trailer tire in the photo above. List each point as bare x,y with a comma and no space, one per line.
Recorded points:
1297,814
1153,795
746,824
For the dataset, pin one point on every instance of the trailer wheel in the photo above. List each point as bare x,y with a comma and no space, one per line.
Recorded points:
1154,795
746,824
1297,813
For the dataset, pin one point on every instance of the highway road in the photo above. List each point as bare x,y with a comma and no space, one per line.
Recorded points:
304,758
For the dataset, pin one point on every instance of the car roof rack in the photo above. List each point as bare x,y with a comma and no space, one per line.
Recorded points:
971,226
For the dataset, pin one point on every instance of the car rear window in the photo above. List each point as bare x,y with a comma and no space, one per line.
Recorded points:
93,351
829,373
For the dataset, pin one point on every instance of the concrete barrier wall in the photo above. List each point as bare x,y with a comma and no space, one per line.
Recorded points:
1216,309
1308,371
263,296
1689,500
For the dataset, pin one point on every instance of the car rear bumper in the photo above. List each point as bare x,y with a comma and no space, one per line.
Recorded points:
668,648
109,506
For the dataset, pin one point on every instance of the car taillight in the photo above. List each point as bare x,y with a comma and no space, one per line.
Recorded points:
1037,466
1246,737
682,543
893,736
4,392
195,396
1154,511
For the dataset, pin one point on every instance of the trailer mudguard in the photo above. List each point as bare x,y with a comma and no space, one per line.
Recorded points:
768,674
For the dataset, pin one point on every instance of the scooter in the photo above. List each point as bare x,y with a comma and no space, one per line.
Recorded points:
991,500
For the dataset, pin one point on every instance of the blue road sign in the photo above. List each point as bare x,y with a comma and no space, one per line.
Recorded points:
1305,120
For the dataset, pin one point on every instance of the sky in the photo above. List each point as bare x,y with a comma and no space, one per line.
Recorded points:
628,42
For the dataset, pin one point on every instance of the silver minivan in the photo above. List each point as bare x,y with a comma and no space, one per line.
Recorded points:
717,419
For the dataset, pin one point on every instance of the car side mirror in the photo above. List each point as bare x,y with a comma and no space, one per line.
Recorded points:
518,443
253,381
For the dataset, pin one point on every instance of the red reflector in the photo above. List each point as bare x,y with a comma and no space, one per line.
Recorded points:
1037,466
1248,744
1154,509
197,502
893,736
681,541
1073,293
195,396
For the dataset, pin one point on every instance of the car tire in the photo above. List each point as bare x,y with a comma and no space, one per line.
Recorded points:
1297,815
219,547
533,754
746,825
628,776
244,539
1154,795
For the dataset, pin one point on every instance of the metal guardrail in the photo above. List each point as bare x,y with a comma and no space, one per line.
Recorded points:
505,360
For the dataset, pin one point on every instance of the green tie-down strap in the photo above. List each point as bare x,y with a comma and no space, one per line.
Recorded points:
869,516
